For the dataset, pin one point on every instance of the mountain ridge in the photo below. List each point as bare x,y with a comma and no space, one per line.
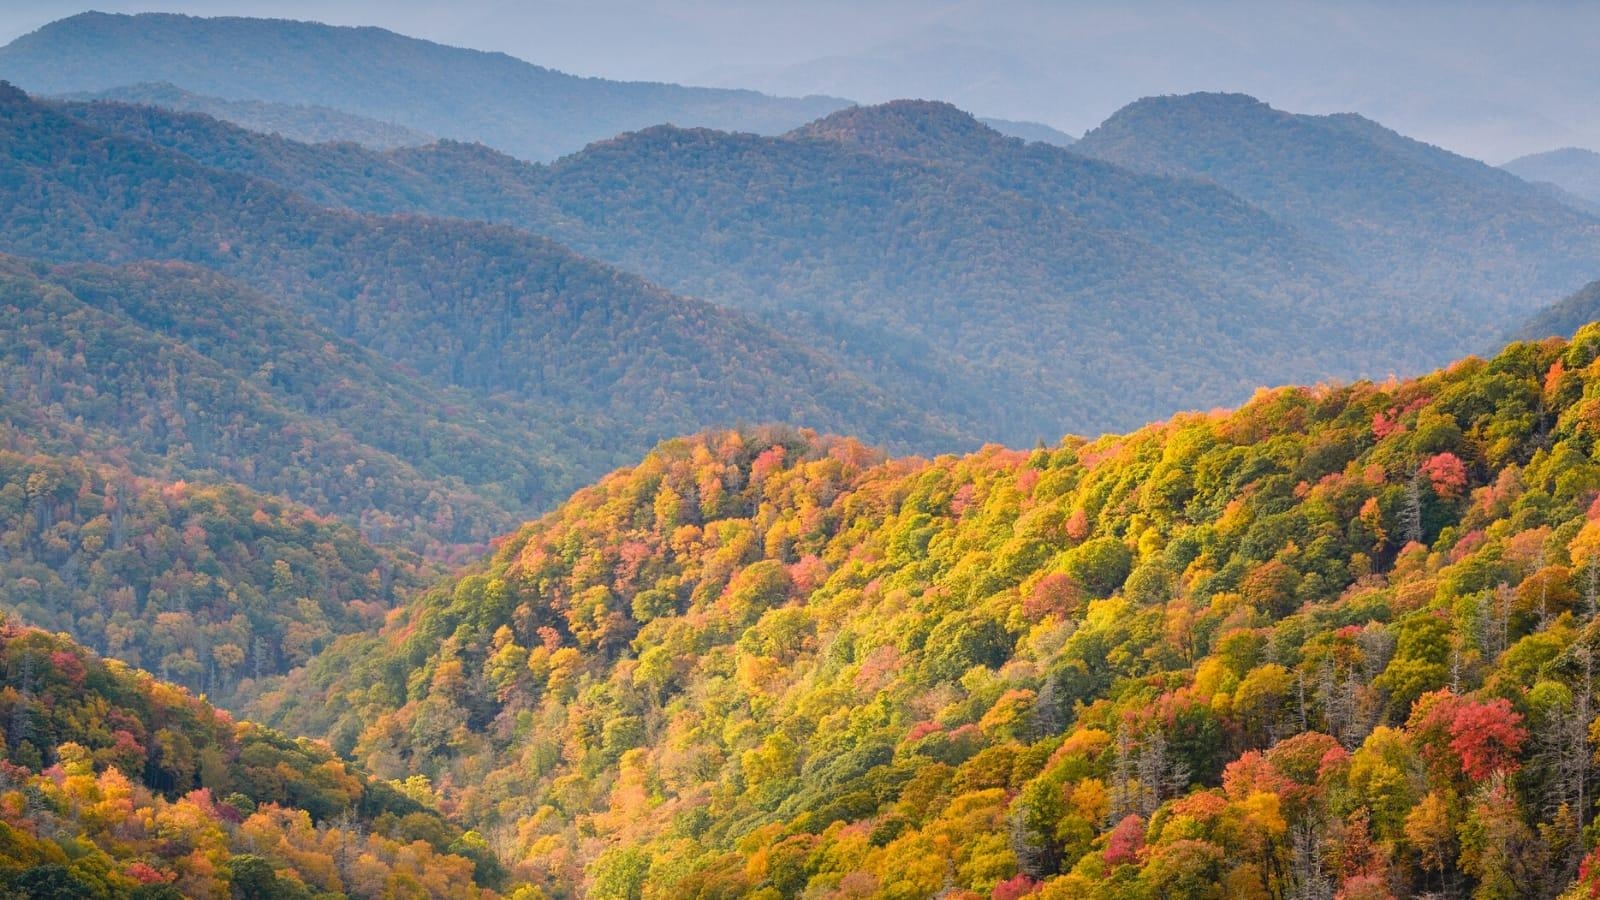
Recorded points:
309,124
528,110
117,784
262,246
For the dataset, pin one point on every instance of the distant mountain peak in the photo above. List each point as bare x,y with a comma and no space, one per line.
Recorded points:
903,128
1236,107
666,137
1202,100
1406,212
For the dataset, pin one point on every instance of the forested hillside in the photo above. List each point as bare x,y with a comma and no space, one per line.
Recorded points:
526,110
594,363
113,784
1423,220
1337,641
937,258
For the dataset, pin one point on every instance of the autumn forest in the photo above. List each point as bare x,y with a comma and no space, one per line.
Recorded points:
425,474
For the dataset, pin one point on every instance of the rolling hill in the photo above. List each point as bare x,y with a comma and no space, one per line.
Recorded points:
1435,227
523,109
213,587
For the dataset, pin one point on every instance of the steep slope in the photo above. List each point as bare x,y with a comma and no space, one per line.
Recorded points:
1337,641
939,258
598,361
311,124
117,785
1572,169
522,109
1438,227
1565,317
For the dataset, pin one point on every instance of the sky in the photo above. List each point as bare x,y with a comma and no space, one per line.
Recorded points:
1492,80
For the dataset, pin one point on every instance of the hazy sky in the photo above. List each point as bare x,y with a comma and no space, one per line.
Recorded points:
1492,80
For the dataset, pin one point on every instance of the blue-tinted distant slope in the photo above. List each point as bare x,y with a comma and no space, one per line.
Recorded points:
1573,169
1082,293
1033,132
311,124
597,362
1425,221
526,110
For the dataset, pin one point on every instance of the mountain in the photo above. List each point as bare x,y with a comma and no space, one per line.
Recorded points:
1327,643
937,257
1031,132
1432,225
525,110
310,124
1564,317
594,363
117,785
1573,170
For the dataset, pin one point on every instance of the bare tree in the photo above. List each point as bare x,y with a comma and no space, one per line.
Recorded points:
1411,510
1309,879
1563,749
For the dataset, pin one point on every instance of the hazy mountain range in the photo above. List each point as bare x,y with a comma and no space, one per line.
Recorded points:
1411,214
665,203
522,109
1565,317
308,124
299,328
